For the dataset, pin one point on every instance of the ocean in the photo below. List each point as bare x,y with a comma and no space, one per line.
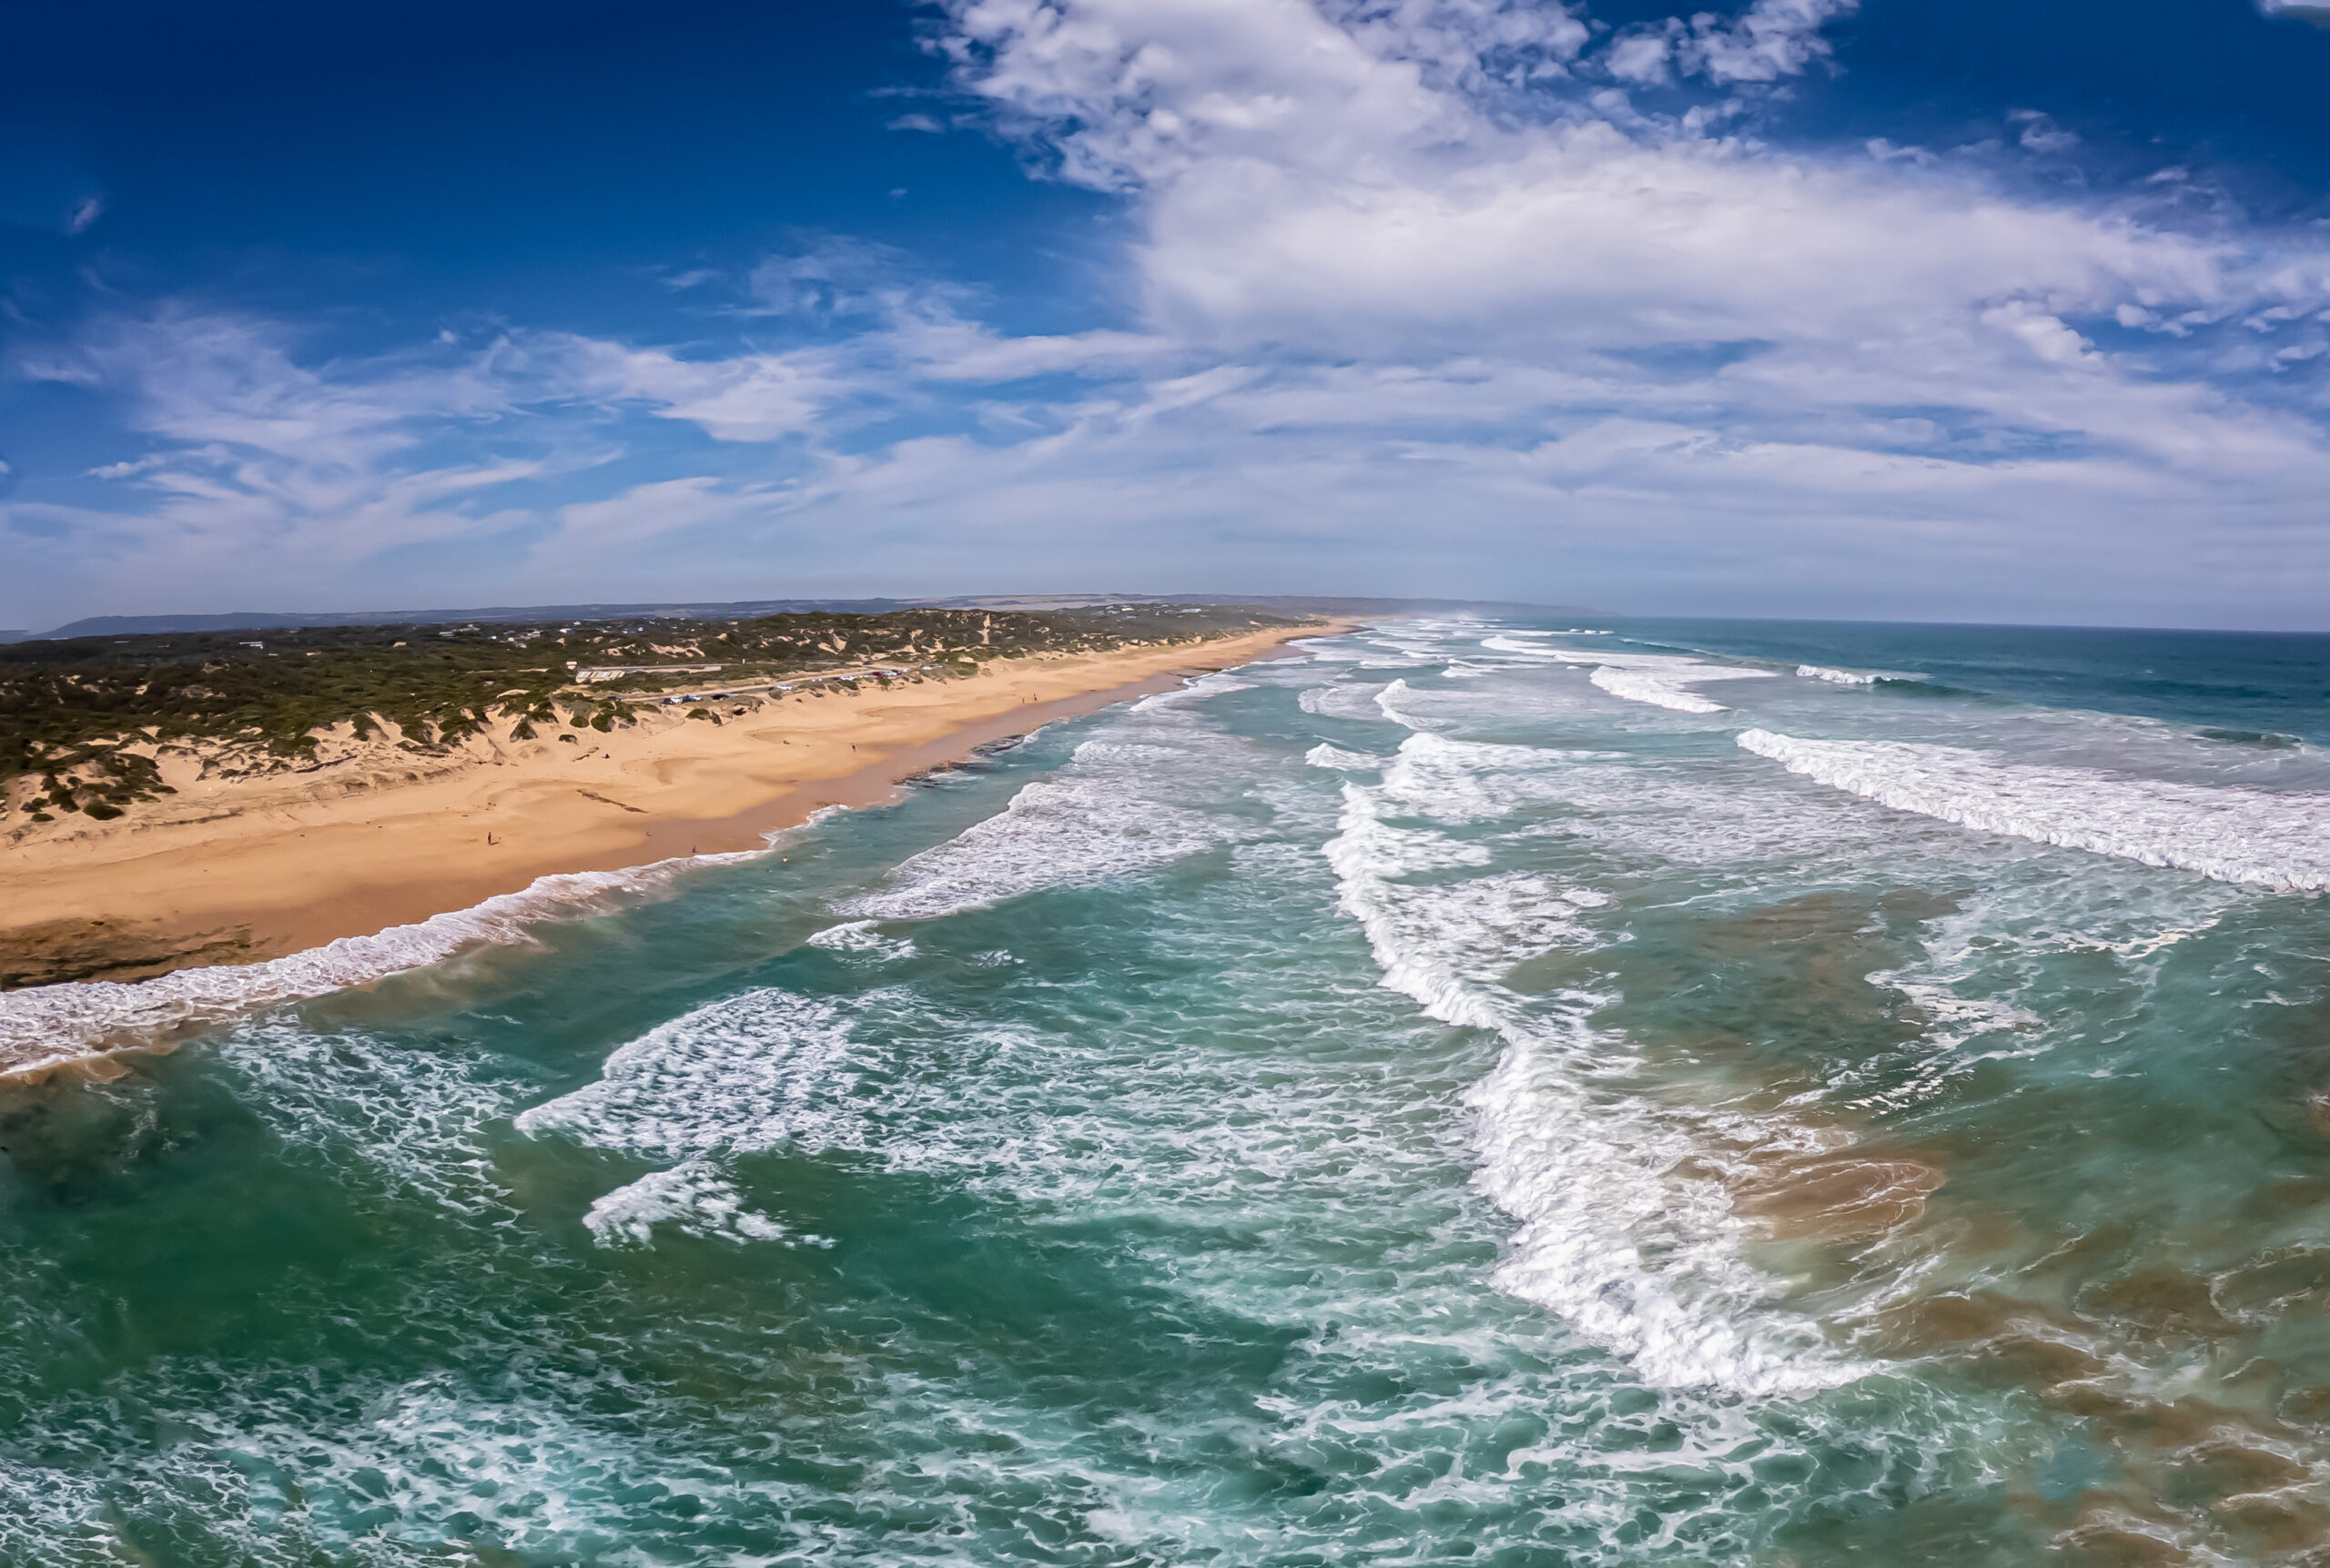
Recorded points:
1593,1093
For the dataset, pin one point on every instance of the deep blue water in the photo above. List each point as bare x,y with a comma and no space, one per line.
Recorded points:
2273,683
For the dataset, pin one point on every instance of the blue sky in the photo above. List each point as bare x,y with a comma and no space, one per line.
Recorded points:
1797,307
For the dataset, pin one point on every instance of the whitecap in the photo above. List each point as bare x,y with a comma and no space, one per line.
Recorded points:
1324,755
1636,1255
1197,691
742,1074
696,1198
47,1026
861,936
1067,833
1387,702
1355,701
1661,679
2279,840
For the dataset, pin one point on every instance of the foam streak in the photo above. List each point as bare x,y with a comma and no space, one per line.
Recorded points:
2256,837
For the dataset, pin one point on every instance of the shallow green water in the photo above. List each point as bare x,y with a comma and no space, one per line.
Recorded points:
1410,1103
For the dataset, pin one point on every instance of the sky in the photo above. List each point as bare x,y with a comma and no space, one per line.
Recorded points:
1886,310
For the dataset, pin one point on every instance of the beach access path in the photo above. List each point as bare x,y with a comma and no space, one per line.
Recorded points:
236,870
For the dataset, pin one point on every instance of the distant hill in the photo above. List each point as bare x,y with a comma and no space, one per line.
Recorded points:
278,621
284,620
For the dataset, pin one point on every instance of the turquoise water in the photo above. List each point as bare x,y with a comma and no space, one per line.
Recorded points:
1468,1092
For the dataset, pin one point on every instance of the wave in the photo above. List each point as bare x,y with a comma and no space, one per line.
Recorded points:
1871,678
1387,702
1635,1256
2264,740
858,937
2278,840
45,1028
1197,691
1346,701
695,1198
1661,679
1665,693
728,1078
1324,755
1069,833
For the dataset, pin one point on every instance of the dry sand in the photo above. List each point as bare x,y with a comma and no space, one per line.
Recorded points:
234,870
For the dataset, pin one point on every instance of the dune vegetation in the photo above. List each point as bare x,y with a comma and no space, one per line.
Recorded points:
88,717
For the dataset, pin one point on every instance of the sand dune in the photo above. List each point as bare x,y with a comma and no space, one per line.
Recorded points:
239,868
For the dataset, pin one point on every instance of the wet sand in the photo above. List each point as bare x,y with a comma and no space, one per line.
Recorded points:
236,870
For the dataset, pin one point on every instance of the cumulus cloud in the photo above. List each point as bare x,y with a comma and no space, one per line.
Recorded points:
1465,278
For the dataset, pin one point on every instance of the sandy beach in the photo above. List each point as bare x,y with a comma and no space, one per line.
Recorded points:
235,870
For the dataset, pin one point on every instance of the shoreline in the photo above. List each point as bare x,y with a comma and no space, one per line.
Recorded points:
241,872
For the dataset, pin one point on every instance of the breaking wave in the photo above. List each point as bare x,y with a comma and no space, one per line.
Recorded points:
1095,821
1075,833
2279,840
1637,1257
48,1027
1660,679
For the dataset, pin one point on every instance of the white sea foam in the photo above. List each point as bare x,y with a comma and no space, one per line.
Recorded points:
1340,701
1065,832
49,1026
1614,1238
1388,702
1662,679
1102,818
1952,1018
2267,839
1656,689
1201,690
417,1119
735,1075
1452,781
695,1198
1835,677
751,1073
859,936
1324,755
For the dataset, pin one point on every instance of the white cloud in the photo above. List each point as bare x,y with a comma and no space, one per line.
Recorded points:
1421,299
741,397
1643,57
1771,40
2040,134
657,509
